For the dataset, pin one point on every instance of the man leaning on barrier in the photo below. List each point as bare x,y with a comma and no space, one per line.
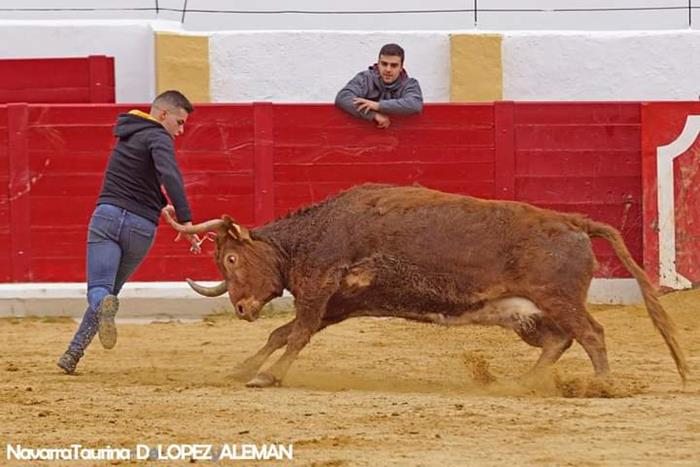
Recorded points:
383,89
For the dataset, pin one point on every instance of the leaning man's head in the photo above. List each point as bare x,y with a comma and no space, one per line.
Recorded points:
390,62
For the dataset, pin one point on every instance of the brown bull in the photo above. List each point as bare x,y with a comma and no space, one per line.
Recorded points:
423,255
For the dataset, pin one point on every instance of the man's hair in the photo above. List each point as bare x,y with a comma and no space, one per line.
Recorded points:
392,49
175,99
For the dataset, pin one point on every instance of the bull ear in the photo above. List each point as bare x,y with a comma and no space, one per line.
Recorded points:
240,233
236,231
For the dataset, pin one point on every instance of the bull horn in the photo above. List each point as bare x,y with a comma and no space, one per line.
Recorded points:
206,226
215,291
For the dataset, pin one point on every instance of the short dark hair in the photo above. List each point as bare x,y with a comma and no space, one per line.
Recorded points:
174,99
392,49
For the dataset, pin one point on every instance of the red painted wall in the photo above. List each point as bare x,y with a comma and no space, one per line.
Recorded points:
663,123
583,158
57,80
56,174
319,151
5,249
263,160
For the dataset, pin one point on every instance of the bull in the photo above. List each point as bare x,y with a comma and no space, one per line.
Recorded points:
422,255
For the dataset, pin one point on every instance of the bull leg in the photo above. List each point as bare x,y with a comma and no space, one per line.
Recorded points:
298,339
575,320
310,312
592,338
553,347
553,340
277,339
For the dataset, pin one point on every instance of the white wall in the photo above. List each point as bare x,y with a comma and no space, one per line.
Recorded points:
601,66
129,42
292,66
312,66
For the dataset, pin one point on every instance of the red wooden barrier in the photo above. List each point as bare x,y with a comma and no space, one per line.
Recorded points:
583,157
67,151
57,80
5,238
671,141
319,151
19,186
504,163
263,160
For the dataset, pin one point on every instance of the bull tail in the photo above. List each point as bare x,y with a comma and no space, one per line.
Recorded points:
662,321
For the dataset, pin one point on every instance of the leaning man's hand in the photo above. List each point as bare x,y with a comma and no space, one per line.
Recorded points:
365,105
382,120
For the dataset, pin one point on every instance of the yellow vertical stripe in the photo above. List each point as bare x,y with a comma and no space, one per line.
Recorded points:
182,63
477,71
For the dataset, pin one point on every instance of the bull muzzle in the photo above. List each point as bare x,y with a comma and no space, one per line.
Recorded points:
248,309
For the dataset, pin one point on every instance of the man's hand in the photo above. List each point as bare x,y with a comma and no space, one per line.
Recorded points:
382,120
365,105
195,241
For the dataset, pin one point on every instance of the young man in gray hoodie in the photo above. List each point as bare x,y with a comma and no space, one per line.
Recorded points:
123,224
383,89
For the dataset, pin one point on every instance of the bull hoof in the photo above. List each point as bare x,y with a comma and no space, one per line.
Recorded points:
263,380
243,373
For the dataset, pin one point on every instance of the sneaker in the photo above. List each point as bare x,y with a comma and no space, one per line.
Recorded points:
105,325
67,362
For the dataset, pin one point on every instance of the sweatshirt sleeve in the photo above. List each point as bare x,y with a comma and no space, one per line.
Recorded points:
410,102
163,154
356,87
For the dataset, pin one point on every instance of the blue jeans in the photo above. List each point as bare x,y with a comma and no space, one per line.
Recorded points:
118,242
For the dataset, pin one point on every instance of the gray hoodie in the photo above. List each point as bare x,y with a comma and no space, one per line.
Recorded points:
403,96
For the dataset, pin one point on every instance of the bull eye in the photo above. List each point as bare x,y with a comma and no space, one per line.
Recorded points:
231,259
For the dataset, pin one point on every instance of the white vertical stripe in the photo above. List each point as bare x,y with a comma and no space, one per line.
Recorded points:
668,274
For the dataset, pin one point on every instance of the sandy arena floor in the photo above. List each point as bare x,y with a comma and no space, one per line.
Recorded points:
365,392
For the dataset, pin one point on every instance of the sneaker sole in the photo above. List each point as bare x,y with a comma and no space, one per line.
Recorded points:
66,367
106,328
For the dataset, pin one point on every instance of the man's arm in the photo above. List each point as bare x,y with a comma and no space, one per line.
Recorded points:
356,87
163,154
195,241
410,102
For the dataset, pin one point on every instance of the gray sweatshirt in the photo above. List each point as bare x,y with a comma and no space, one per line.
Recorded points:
402,97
